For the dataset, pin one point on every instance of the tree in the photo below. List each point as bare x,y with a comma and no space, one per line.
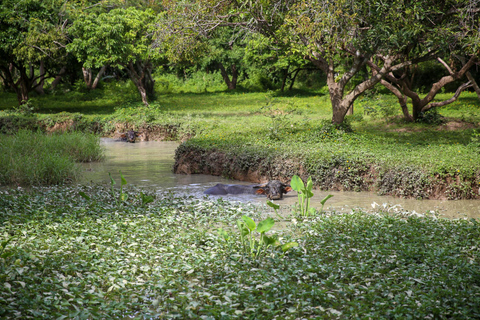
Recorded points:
452,34
118,38
275,59
400,84
32,38
339,37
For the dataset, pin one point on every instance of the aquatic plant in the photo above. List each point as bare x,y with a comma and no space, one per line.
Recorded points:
76,258
304,195
253,237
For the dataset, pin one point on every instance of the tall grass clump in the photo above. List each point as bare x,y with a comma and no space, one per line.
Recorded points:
33,158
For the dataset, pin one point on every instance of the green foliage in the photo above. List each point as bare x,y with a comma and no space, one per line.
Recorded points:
33,158
304,193
380,108
122,197
280,116
257,248
73,258
431,116
115,38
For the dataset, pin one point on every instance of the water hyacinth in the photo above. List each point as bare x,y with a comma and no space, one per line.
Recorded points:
64,255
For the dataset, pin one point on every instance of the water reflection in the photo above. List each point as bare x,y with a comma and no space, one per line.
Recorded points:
149,164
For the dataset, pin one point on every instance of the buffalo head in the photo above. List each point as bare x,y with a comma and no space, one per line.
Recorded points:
129,136
274,189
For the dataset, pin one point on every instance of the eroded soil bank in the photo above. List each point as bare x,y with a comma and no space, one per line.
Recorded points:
405,182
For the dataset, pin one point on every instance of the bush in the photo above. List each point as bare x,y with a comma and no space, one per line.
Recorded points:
430,117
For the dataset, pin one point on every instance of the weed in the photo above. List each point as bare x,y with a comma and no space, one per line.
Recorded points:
122,197
33,158
257,248
431,116
110,262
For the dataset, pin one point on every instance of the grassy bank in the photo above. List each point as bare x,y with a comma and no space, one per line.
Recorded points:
281,134
32,158
73,256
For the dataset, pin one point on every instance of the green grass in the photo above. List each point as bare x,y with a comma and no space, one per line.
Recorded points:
33,158
290,125
70,257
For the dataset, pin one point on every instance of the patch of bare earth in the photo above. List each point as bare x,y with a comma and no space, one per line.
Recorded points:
450,125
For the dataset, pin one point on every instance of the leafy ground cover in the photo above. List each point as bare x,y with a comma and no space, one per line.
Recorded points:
75,252
33,158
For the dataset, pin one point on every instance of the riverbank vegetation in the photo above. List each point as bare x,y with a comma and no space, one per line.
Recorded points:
282,134
74,252
33,158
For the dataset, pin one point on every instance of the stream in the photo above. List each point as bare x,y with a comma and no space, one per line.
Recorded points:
149,164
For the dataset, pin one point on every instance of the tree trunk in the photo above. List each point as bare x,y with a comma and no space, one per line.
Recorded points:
234,75
292,82
58,78
402,99
138,73
87,77
474,83
422,105
336,87
98,77
41,82
284,79
350,111
230,84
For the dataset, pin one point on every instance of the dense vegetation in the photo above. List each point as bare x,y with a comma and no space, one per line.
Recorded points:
356,45
32,158
84,253
374,149
249,85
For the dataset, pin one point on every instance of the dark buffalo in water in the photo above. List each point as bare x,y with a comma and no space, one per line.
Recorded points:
129,136
274,189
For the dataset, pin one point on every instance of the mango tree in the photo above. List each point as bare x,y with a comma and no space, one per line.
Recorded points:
339,37
119,38
32,43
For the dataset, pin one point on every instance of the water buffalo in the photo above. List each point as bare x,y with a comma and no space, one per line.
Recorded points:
274,189
129,136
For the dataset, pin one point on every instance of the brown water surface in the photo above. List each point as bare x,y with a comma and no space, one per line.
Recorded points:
149,164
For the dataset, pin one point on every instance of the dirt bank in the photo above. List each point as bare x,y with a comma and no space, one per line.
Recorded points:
404,182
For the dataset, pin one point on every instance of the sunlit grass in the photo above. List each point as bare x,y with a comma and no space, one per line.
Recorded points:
33,158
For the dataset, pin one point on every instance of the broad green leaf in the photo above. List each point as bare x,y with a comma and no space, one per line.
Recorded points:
243,228
273,205
7,254
265,225
297,183
309,184
270,241
325,199
249,222
146,199
289,245
112,182
124,182
84,195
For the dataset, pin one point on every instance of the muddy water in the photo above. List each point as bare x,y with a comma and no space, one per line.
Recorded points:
149,164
